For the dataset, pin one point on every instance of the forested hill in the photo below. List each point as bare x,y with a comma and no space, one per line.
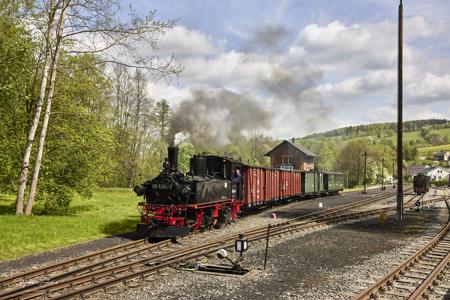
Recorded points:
377,129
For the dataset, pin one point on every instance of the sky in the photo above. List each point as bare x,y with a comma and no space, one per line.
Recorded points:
290,68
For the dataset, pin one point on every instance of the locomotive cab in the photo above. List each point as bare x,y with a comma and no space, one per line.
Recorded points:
226,168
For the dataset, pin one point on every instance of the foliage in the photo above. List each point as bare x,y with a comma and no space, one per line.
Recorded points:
439,183
17,97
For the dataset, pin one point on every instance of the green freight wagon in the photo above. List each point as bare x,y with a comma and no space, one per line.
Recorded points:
320,187
308,183
333,181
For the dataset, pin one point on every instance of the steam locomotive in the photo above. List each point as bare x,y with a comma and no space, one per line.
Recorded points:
217,189
421,184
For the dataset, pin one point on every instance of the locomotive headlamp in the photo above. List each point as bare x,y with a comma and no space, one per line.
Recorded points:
241,244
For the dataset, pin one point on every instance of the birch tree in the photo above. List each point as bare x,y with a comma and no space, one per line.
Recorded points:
89,26
51,8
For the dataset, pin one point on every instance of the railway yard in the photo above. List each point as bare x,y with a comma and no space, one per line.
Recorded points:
332,247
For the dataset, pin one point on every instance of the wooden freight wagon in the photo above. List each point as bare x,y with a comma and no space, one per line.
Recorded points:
272,184
308,183
290,184
253,186
320,188
264,185
333,181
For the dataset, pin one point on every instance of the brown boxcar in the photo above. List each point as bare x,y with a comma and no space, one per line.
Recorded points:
253,186
262,185
271,184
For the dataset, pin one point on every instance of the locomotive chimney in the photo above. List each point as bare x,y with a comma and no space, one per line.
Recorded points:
173,157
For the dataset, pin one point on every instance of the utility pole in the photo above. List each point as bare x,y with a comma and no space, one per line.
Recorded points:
365,173
347,180
393,172
400,116
382,174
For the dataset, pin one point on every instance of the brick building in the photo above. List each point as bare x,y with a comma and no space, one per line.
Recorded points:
289,155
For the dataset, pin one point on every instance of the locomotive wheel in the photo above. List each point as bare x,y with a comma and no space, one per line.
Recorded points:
208,220
224,219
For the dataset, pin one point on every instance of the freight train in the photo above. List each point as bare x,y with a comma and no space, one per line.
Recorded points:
217,190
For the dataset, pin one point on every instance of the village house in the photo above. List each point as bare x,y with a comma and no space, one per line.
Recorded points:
436,173
415,169
290,156
442,156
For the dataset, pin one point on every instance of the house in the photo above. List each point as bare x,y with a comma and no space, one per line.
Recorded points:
442,156
289,155
415,169
436,173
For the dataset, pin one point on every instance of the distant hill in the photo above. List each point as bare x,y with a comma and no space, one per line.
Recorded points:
380,129
421,138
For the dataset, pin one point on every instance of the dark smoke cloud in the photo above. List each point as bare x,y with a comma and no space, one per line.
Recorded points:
268,38
294,86
292,82
213,117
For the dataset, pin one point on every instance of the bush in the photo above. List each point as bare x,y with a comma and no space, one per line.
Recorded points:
439,183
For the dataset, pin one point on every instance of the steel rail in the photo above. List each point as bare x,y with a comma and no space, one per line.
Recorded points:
432,279
172,257
380,285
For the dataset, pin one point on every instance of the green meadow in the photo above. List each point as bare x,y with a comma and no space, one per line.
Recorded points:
108,212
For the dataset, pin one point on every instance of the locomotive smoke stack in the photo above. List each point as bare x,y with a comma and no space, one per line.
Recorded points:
173,157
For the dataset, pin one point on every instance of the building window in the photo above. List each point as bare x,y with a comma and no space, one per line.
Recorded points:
286,160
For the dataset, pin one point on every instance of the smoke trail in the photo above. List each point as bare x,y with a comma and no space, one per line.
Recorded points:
212,117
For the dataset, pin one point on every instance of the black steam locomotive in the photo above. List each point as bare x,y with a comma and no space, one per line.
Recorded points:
177,203
421,184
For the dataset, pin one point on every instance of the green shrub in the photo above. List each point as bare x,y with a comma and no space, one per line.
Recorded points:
439,183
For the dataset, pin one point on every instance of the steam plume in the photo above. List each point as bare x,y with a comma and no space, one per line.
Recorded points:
213,117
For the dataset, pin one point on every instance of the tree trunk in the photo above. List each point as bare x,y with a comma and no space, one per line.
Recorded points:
32,132
51,90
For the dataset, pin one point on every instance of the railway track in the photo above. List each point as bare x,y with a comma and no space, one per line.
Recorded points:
420,275
146,260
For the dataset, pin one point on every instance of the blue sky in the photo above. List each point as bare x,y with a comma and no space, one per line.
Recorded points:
317,64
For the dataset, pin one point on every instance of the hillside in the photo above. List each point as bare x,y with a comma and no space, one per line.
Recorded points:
427,136
343,149
380,129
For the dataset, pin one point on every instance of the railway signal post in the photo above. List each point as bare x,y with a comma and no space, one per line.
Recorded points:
400,116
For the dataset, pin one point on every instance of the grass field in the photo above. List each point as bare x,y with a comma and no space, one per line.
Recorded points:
109,211
432,149
407,136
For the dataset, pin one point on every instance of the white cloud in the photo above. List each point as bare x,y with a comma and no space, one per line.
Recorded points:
432,88
357,63
188,43
431,115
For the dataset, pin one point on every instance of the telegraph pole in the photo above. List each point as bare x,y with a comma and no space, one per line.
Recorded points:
393,172
400,116
365,173
382,174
